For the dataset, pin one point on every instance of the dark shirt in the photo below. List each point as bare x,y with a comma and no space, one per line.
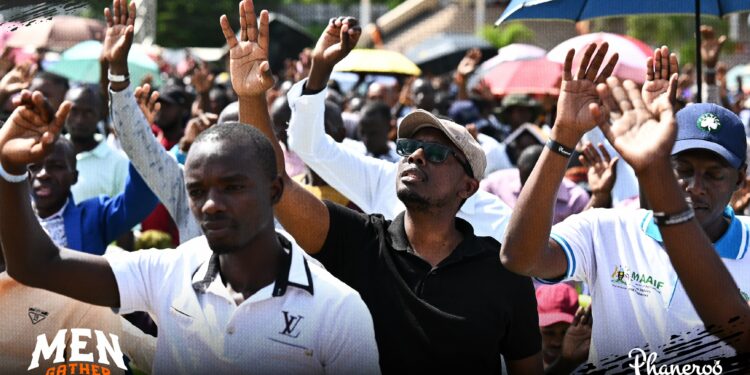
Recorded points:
458,317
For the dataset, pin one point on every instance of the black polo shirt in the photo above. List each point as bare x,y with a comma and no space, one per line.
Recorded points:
459,316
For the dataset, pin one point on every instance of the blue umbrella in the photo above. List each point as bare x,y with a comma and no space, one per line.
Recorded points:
80,63
578,10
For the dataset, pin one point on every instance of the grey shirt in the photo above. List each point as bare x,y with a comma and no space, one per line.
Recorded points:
162,173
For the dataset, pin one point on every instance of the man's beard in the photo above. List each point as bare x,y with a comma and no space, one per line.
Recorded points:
412,200
222,248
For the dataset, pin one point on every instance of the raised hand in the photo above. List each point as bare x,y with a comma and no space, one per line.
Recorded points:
119,36
577,340
659,69
17,79
601,169
639,135
576,95
29,134
337,40
195,127
147,102
202,79
469,63
710,46
248,57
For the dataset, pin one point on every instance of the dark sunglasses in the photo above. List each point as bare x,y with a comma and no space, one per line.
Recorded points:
433,152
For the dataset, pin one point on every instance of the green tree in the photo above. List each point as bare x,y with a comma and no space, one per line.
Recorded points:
514,32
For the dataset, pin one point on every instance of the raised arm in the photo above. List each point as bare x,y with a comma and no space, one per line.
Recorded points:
528,249
30,255
159,170
645,140
250,79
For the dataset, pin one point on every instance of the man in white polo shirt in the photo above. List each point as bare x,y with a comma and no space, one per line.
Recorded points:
240,299
637,298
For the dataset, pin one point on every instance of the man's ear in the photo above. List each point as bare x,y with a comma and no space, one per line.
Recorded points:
75,177
741,176
470,186
277,189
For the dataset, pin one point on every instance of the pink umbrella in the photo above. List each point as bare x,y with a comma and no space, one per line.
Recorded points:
57,34
538,76
633,53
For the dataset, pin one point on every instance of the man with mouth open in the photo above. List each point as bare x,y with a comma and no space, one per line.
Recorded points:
440,299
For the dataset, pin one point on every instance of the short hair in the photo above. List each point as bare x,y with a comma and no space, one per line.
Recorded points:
230,113
376,109
69,150
54,78
88,91
241,138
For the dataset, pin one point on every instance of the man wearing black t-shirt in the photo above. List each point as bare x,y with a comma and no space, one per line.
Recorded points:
440,299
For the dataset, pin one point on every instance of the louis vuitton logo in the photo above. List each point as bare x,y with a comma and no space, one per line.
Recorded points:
291,322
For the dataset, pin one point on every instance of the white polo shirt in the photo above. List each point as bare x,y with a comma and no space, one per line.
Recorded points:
637,299
307,322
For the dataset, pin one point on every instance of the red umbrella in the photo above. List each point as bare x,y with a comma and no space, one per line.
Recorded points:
57,34
538,76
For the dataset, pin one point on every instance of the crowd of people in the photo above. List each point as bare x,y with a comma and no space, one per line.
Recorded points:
274,222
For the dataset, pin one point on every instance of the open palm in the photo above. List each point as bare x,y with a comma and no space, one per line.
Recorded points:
576,95
248,56
119,35
659,68
639,135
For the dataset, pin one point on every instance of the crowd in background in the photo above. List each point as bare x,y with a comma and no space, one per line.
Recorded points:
111,186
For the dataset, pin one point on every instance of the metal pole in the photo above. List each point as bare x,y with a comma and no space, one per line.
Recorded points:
698,60
479,15
365,12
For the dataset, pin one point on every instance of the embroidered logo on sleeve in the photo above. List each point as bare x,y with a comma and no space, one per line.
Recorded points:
37,315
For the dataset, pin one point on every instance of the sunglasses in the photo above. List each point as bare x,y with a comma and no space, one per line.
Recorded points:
433,152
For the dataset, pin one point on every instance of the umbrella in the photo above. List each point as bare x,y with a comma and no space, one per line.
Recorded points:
377,61
577,10
736,72
633,53
511,52
538,76
442,53
81,63
57,34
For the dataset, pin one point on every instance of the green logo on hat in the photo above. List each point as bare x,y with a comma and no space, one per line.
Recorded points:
709,122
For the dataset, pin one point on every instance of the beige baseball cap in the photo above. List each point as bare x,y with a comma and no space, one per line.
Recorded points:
461,138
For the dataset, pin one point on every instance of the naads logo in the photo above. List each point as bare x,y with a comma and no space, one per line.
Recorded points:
80,361
640,283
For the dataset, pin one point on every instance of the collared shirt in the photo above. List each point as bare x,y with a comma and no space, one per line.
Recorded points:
459,316
637,298
101,171
306,322
506,184
368,182
54,225
29,312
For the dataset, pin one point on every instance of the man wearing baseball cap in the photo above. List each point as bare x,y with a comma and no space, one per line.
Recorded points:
637,297
440,299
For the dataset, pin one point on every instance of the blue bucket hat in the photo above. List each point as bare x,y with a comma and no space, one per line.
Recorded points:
711,127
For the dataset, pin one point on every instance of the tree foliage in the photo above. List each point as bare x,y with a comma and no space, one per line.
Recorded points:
514,32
